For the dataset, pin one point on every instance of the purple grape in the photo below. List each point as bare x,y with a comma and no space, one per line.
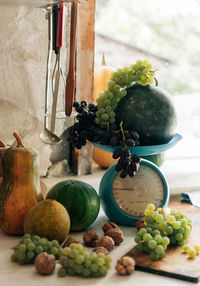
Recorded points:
117,154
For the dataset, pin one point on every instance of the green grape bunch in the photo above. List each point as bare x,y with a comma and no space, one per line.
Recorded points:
76,260
162,229
30,246
141,73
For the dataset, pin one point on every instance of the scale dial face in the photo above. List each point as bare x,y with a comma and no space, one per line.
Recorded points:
133,194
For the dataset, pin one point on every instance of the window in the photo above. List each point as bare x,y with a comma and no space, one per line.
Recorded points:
167,33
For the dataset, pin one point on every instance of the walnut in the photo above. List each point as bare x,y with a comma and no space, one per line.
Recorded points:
107,242
90,238
112,230
99,249
109,225
125,265
140,223
70,240
45,263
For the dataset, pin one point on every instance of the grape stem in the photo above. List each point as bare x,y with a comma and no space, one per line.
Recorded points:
123,135
156,81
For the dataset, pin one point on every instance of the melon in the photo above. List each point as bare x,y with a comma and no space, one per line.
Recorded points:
80,199
48,219
150,111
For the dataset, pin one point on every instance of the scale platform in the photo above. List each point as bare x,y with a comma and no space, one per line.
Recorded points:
143,150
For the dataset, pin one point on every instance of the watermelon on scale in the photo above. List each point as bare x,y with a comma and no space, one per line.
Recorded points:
149,111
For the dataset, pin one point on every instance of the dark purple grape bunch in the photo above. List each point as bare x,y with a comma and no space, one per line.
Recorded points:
82,129
128,163
121,138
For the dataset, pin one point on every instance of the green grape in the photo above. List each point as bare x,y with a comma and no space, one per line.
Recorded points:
38,249
42,241
192,252
49,244
94,267
140,246
108,259
31,246
73,253
20,255
61,272
86,272
27,235
30,254
169,229
147,237
71,262
197,248
154,256
152,244
54,250
147,249
100,261
22,248
103,270
27,240
151,207
88,263
79,247
179,236
93,256
64,261
96,274
158,238
66,251
79,259
165,241
36,237
176,224
142,231
138,238
101,254
86,255
149,229
155,232
159,249
70,271
149,219
78,268
105,116
186,247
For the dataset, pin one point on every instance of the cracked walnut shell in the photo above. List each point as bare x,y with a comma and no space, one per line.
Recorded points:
70,240
112,230
125,265
91,238
45,263
99,249
107,242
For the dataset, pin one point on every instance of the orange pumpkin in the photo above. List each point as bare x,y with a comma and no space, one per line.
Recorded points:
19,188
102,76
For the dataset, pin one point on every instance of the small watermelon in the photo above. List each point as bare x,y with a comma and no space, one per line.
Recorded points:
149,111
80,199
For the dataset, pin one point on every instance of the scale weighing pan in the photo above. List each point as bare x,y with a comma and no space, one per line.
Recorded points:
143,150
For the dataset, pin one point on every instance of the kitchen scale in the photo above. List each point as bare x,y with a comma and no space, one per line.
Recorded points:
124,200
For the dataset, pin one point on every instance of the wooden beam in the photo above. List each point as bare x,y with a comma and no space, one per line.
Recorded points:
82,160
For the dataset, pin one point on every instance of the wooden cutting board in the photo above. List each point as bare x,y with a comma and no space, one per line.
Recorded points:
175,263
